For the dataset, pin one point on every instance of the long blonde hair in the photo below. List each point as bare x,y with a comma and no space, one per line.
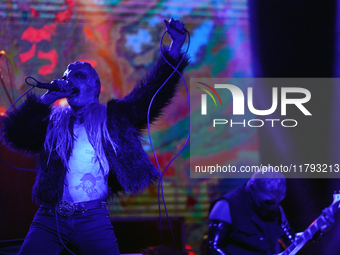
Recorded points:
60,138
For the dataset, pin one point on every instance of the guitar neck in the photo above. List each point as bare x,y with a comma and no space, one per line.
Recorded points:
309,232
304,238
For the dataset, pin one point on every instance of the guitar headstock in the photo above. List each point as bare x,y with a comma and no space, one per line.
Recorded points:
336,198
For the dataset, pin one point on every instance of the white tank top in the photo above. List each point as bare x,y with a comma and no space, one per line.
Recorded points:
85,180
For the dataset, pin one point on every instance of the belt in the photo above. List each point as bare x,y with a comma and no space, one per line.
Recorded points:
66,208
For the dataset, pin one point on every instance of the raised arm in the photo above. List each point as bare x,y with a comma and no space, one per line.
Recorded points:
135,104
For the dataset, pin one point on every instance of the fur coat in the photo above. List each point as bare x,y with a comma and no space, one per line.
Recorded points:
24,130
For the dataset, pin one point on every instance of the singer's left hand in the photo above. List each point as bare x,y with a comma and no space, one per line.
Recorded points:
177,33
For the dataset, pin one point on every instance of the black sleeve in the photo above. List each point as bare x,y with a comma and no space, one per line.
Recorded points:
135,104
24,128
218,234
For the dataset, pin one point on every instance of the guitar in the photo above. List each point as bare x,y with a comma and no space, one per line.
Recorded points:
311,230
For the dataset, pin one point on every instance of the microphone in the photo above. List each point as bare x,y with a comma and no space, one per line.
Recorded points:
54,86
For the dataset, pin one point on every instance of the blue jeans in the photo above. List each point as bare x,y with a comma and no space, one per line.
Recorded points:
84,232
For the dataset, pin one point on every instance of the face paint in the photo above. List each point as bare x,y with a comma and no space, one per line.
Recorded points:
267,194
82,76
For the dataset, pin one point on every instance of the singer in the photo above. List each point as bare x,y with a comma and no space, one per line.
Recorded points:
88,152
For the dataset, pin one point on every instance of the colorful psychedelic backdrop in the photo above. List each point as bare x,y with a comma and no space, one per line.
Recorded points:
121,40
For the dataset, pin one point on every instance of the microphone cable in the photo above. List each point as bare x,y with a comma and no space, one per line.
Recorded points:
33,86
160,184
19,168
8,109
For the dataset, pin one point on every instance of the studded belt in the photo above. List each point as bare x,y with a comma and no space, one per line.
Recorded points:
66,208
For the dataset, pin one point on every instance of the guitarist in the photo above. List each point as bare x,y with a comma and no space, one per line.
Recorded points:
249,220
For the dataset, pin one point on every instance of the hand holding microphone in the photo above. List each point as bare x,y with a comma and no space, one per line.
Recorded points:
57,89
59,85
55,85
